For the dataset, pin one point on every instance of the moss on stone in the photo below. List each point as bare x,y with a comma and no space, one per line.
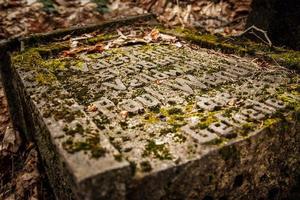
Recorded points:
151,118
291,102
217,141
90,144
123,124
101,120
246,128
271,121
65,113
229,152
138,92
159,151
175,111
45,78
33,59
165,131
238,45
98,151
72,131
205,40
206,121
99,38
289,58
52,48
118,157
146,166
55,64
180,138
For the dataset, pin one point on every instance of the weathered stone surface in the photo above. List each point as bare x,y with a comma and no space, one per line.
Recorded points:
159,120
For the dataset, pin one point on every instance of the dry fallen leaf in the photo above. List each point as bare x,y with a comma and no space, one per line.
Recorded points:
98,48
124,114
154,34
92,108
11,141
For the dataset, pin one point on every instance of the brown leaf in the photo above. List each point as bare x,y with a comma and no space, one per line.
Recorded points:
11,141
154,34
98,48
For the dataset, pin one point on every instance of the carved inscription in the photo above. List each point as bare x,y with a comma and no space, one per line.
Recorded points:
190,92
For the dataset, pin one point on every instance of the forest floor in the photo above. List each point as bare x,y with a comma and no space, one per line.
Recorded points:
21,176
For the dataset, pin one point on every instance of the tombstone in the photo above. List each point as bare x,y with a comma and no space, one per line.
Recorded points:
154,127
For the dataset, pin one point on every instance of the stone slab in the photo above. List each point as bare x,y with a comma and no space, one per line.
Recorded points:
155,120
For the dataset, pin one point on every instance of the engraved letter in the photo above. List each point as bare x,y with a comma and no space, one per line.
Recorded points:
117,86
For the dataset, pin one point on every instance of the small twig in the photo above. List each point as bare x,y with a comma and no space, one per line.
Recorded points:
261,39
259,30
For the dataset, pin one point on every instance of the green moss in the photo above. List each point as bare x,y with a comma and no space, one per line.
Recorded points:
82,94
73,147
229,152
99,38
98,151
79,65
165,131
29,59
90,144
175,111
145,166
52,48
159,151
151,118
138,92
179,138
227,112
45,78
238,45
291,102
64,113
155,109
118,157
32,59
271,121
205,40
101,120
204,122
123,124
288,58
246,128
78,129
217,141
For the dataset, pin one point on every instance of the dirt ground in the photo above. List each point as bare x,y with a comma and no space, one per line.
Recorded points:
21,176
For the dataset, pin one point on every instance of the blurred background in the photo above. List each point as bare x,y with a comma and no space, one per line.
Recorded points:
21,17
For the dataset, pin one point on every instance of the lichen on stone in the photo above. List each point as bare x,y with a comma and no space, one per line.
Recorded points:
159,151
